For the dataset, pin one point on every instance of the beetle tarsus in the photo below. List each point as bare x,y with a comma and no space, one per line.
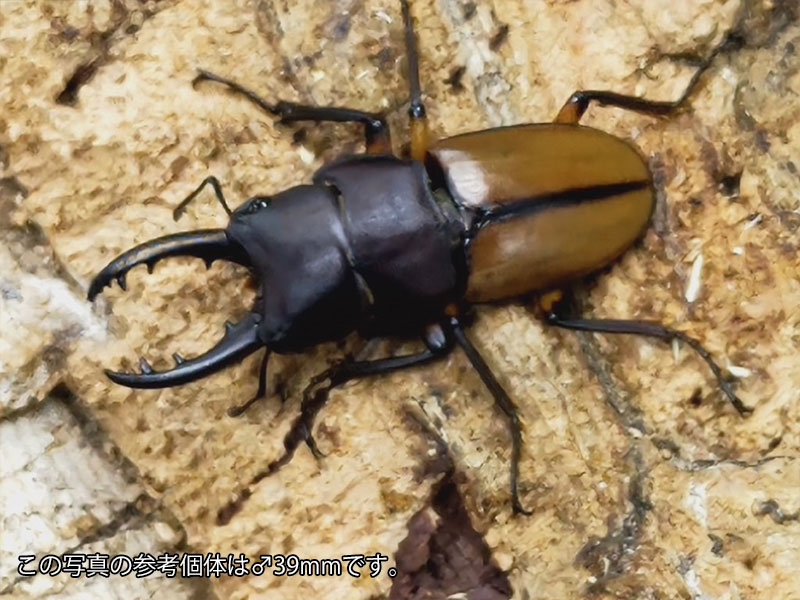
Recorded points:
722,382
227,512
518,508
291,441
416,109
313,400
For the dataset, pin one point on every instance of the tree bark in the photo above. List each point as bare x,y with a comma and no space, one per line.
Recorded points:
643,480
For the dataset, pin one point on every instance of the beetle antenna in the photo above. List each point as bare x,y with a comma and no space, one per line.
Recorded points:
417,109
213,182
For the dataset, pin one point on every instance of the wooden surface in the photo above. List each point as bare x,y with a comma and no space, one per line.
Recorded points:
643,480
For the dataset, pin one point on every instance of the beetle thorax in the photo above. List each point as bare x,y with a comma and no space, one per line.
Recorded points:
364,247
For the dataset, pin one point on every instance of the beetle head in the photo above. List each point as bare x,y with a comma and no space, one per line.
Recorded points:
294,245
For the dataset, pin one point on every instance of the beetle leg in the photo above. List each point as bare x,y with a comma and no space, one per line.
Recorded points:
503,401
376,129
235,411
573,109
416,109
651,329
314,397
210,180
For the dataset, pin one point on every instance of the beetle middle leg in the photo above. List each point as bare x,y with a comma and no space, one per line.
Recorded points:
314,397
650,329
376,129
235,411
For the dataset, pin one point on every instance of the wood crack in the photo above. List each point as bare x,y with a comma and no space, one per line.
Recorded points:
102,43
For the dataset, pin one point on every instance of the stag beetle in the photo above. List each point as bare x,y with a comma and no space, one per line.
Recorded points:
384,245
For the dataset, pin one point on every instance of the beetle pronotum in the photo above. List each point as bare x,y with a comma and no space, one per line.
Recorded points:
390,244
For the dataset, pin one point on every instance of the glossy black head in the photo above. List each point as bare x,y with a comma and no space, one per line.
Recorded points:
299,255
295,248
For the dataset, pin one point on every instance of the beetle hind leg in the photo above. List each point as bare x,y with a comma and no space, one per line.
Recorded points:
576,105
656,330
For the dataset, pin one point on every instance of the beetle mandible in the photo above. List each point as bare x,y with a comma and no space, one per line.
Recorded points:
388,244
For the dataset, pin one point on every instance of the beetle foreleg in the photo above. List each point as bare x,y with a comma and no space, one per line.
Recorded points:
651,329
376,129
235,411
314,397
502,400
